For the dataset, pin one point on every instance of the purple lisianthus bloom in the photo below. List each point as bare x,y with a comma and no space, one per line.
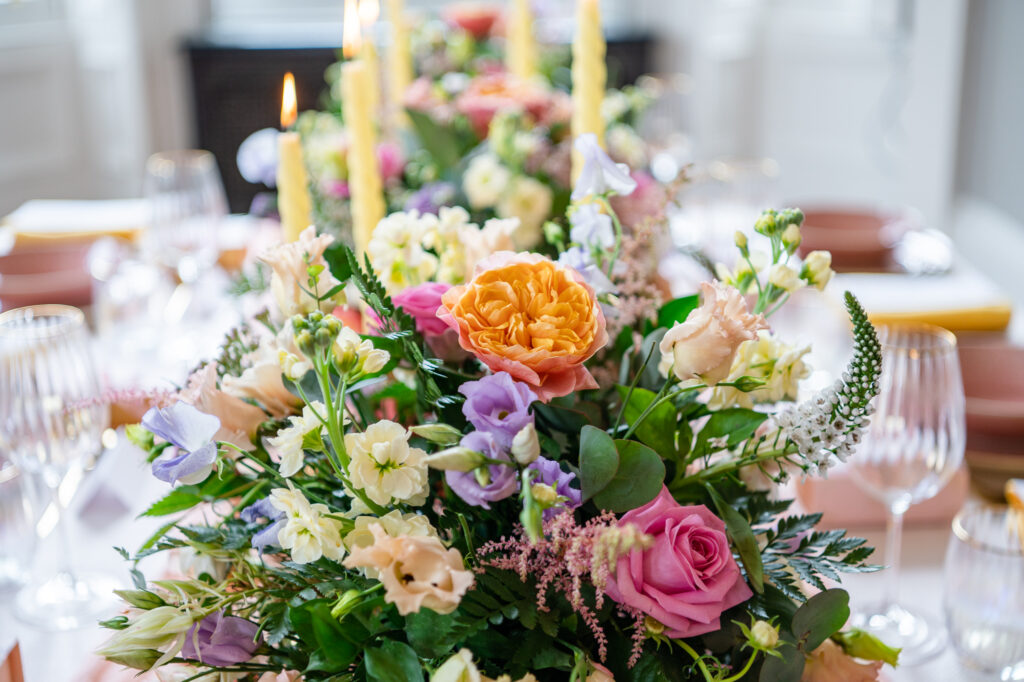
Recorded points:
550,473
191,433
431,197
499,405
264,509
503,479
220,640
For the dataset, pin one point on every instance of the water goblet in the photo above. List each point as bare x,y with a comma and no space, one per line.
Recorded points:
51,422
912,448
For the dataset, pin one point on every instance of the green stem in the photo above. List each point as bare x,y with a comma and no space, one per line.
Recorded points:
603,200
632,385
746,668
660,398
728,466
699,660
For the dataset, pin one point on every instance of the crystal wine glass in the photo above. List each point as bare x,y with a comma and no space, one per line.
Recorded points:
913,446
51,422
187,205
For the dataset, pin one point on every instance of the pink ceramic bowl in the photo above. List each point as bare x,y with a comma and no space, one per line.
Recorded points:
993,376
859,238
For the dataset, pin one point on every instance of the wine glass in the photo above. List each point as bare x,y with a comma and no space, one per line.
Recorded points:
911,449
985,591
187,205
51,421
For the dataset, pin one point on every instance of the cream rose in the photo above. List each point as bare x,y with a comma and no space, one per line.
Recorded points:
703,347
417,572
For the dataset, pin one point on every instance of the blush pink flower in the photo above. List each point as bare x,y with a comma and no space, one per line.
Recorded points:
526,315
703,347
417,572
238,419
646,202
829,663
390,160
687,577
473,17
486,95
422,302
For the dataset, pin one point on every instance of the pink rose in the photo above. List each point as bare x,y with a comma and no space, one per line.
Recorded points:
687,577
475,18
703,347
829,663
422,302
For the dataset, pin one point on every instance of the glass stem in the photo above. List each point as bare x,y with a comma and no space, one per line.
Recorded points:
65,563
893,547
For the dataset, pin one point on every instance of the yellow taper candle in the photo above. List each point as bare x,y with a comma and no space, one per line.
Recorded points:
400,71
364,181
588,75
293,200
369,10
521,48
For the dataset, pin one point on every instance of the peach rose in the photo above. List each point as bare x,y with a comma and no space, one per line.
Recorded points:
703,347
417,572
531,317
238,419
829,663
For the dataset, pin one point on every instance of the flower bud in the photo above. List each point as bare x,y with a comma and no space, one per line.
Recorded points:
346,602
525,446
791,237
545,495
861,644
375,361
322,337
483,476
553,232
304,340
457,458
442,434
316,317
653,626
292,366
766,223
784,277
764,635
817,269
740,240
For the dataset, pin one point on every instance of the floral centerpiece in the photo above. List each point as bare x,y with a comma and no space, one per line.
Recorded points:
505,468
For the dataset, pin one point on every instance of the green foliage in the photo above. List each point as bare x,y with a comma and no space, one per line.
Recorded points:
393,661
637,481
677,310
734,425
742,539
599,460
658,428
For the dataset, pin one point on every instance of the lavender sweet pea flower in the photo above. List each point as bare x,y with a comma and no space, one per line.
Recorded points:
591,228
578,258
599,174
503,479
550,473
267,536
191,433
499,405
431,197
221,641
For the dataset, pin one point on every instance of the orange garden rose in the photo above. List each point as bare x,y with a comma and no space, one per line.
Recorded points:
531,317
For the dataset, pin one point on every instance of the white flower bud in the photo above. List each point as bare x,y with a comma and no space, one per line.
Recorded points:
525,446
375,361
455,459
784,277
292,366
764,635
545,495
791,237
817,269
443,434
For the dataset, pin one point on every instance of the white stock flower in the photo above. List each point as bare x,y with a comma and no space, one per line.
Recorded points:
817,269
290,262
307,533
356,356
288,441
385,467
599,174
485,181
784,277
779,364
397,253
529,200
497,234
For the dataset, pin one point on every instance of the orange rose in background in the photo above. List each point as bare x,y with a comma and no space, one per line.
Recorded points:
531,317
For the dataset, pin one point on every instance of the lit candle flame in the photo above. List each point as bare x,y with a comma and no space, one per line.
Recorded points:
352,39
289,104
369,11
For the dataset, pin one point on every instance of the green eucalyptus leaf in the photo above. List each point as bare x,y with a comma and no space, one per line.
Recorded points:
820,617
735,424
599,460
337,262
788,666
637,481
393,661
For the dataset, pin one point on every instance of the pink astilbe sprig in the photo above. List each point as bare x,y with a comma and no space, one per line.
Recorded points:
568,557
153,397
